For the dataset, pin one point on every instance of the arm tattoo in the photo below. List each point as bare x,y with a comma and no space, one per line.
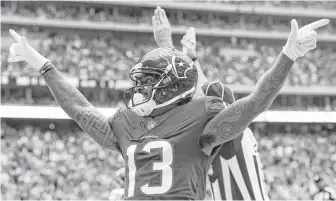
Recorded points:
80,110
232,121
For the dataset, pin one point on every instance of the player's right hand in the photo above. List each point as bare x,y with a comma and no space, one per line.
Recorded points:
189,43
301,41
22,51
162,29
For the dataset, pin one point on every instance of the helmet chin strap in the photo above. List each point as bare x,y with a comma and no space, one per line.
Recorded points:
181,96
146,108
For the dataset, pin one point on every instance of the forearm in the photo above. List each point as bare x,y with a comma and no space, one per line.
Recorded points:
270,83
66,95
79,109
233,120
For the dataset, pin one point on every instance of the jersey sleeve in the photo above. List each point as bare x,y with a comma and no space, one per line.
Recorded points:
112,125
213,106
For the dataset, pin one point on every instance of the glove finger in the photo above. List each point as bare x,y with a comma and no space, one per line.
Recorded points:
154,23
184,43
294,30
24,41
188,44
14,54
184,49
163,18
311,47
157,16
191,34
160,15
314,25
15,35
15,59
308,43
309,36
13,50
185,46
184,37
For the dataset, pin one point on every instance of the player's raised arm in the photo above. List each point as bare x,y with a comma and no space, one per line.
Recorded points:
232,121
67,96
189,48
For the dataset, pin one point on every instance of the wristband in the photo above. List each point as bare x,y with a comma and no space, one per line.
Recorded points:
46,67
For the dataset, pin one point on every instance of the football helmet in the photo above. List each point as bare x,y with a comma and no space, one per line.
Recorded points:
162,77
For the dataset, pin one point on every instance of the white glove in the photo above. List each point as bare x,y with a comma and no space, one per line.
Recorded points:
162,29
189,43
22,51
301,41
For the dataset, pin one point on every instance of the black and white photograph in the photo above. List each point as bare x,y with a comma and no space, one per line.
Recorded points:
168,100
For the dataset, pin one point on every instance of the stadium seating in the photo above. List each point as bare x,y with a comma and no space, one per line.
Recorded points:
142,15
234,62
287,4
71,167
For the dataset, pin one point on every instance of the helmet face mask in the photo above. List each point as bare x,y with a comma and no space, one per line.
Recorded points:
162,77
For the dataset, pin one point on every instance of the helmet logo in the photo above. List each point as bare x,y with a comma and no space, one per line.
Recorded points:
151,125
178,63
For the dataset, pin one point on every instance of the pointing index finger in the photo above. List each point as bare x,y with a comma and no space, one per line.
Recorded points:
16,36
318,24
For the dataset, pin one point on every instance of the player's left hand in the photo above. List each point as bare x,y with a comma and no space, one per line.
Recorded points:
22,51
162,29
301,41
189,43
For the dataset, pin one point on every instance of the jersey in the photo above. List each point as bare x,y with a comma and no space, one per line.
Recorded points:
162,155
236,171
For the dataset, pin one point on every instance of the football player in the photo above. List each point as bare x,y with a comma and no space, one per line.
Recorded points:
168,140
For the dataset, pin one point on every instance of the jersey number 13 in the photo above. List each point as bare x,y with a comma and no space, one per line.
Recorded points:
164,166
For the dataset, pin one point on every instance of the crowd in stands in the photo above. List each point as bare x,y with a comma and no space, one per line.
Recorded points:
292,157
46,164
279,3
143,15
109,57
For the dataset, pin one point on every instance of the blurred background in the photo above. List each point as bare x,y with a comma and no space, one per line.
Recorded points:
96,43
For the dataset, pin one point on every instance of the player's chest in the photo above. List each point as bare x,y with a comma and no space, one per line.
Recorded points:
139,128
